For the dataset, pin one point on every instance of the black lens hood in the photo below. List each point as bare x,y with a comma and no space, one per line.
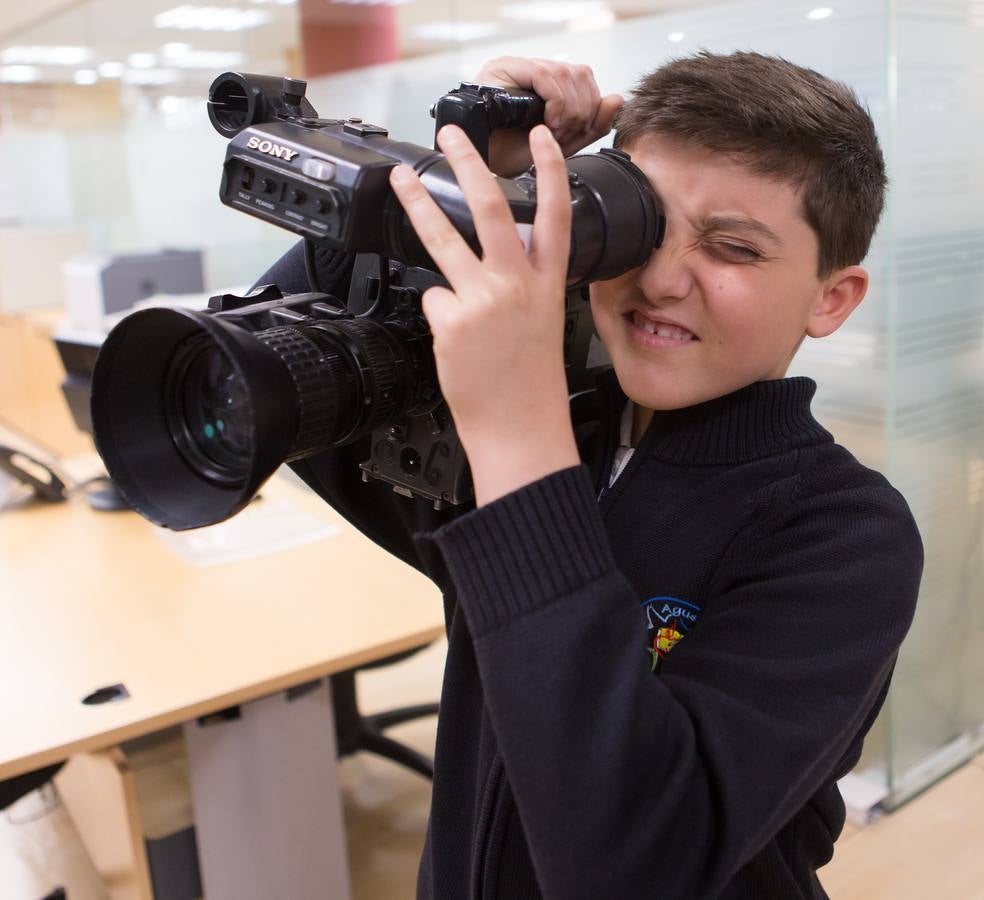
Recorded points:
130,422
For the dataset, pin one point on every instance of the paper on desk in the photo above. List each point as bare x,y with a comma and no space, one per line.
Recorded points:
265,526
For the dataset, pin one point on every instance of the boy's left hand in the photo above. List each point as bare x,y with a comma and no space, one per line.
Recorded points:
498,332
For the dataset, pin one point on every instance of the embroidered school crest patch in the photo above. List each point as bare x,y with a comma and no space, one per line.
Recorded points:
668,619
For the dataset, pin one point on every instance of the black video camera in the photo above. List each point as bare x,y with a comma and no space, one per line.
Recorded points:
192,411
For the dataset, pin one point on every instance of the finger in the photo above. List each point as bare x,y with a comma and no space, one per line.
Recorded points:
497,72
439,306
571,138
604,119
494,223
575,112
605,116
536,75
552,223
545,80
447,248
588,96
601,124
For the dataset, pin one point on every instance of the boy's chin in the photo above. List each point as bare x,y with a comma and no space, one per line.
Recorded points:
669,396
668,390
664,400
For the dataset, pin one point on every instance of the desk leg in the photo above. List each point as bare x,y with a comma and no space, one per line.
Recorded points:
100,793
268,815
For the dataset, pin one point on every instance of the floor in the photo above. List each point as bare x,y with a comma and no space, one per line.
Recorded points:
931,847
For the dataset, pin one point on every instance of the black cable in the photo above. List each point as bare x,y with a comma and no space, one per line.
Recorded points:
103,481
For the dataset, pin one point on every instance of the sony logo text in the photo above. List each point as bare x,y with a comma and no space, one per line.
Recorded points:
269,147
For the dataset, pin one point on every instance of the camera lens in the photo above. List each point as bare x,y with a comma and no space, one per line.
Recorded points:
208,411
192,413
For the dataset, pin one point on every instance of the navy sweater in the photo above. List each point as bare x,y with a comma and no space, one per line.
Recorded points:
653,694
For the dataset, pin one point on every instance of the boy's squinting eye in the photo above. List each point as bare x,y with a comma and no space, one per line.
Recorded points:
733,252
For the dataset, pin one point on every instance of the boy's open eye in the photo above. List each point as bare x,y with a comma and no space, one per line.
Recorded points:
733,252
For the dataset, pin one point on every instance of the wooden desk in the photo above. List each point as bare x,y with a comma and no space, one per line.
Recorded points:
91,599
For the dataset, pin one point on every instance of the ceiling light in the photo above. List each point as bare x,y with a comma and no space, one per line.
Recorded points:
19,74
184,57
150,76
560,11
821,12
46,56
175,48
85,76
675,36
208,59
454,32
111,69
141,60
211,18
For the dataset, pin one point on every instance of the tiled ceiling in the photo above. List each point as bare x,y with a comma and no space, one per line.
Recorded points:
111,31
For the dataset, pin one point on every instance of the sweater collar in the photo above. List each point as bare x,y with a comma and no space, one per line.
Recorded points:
763,419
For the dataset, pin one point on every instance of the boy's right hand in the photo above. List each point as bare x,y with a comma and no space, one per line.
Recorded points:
575,111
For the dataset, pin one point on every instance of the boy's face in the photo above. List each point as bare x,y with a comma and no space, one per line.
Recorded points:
731,293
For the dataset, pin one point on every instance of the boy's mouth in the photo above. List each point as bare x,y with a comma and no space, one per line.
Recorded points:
659,328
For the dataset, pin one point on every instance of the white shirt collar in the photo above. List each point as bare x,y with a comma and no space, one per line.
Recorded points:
624,452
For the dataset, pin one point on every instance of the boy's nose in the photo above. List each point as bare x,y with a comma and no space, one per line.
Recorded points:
666,275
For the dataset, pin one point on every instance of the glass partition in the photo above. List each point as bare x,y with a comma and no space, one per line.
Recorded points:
934,396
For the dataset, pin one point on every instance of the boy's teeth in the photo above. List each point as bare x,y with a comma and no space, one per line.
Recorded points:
665,331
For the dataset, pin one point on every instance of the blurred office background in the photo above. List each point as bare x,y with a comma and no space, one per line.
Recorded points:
105,146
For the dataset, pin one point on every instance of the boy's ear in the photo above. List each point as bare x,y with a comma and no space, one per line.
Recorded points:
842,291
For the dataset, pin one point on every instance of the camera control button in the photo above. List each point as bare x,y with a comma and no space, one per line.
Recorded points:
319,169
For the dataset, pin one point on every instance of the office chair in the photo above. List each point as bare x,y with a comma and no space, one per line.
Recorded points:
355,732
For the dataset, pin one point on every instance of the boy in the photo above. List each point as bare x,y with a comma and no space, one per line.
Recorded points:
661,659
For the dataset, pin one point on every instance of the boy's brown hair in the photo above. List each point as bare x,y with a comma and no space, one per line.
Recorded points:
782,121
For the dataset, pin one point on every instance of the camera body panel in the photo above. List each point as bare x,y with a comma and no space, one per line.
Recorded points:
323,187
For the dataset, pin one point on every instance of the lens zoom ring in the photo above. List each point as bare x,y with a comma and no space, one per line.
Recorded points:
385,389
320,381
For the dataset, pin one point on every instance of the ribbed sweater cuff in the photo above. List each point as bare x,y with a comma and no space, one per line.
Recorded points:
527,549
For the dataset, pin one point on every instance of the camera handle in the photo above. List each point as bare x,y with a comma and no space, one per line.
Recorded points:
480,109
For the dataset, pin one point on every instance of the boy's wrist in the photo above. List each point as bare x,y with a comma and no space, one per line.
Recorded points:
501,464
